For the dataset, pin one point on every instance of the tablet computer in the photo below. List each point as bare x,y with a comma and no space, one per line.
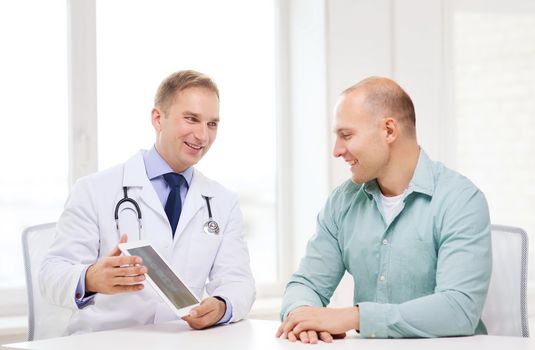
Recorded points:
159,274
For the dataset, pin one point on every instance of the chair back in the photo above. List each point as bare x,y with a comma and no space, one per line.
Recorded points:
505,310
44,319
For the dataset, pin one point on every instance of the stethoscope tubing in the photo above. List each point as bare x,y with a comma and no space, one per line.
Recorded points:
209,227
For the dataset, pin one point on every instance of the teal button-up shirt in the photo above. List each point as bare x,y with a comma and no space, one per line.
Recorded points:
426,274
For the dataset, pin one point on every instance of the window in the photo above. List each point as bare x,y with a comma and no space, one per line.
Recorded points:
234,43
33,136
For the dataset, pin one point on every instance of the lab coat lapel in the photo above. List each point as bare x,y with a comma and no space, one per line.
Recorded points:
140,187
194,201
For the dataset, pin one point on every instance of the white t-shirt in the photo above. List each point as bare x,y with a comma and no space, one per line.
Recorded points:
389,205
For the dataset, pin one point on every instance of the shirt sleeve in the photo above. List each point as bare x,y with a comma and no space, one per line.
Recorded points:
82,298
228,312
464,266
320,270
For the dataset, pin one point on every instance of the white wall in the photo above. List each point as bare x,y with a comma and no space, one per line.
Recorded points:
398,39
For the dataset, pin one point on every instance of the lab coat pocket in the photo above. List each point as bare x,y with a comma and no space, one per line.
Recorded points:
201,256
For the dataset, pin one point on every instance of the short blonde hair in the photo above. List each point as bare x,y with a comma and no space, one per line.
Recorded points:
180,81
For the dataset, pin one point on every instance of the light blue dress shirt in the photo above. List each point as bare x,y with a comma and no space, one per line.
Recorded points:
155,167
425,274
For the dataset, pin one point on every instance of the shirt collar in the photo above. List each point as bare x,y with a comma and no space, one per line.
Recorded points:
423,180
156,166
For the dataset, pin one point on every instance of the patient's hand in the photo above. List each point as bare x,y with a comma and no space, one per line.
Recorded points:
312,337
308,324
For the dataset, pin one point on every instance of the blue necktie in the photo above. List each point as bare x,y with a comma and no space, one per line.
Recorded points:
173,206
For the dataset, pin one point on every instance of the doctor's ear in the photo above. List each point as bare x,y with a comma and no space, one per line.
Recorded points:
156,116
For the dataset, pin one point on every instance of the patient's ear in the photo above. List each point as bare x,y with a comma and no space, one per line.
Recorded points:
391,128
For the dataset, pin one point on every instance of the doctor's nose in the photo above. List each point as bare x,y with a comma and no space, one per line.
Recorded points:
201,133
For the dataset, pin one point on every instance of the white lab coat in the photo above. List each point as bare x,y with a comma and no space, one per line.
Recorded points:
86,231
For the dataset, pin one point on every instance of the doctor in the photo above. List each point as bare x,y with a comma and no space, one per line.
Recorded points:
84,270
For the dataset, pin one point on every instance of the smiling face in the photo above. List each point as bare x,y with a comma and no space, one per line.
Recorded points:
186,128
361,138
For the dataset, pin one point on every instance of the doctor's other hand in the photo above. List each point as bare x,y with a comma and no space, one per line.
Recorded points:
114,273
206,314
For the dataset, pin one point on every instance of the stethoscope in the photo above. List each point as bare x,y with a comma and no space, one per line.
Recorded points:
210,227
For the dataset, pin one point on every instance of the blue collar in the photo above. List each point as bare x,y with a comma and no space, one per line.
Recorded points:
156,166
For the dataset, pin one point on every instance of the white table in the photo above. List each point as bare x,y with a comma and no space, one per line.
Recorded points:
254,334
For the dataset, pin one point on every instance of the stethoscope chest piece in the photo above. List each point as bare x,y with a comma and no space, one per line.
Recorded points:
211,227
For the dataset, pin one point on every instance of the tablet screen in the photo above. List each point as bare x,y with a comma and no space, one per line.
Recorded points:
164,277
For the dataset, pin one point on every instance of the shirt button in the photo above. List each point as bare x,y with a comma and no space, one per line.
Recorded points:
382,278
385,241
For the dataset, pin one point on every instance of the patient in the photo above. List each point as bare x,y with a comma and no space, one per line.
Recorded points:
414,234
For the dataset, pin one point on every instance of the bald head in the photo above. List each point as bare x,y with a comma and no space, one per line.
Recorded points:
383,97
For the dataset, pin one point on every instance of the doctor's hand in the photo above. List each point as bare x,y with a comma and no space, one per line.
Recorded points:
114,273
208,313
306,323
